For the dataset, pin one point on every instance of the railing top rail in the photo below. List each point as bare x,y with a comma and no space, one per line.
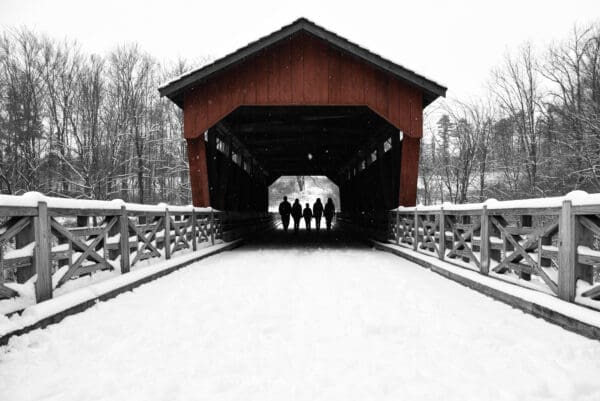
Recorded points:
30,200
578,199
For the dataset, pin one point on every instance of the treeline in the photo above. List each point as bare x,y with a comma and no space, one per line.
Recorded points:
535,133
88,126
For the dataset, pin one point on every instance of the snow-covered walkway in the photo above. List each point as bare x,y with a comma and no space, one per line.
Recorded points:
301,324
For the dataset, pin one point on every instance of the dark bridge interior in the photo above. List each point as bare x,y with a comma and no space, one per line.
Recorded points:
254,145
282,138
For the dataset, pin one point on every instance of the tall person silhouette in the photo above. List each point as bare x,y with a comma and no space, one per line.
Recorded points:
329,212
285,209
318,212
296,214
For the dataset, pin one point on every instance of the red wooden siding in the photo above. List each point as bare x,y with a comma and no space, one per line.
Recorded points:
196,148
303,70
409,167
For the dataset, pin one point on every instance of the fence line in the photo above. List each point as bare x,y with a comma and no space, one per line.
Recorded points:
42,236
549,244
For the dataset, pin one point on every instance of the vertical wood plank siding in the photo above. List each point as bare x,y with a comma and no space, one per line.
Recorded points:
303,70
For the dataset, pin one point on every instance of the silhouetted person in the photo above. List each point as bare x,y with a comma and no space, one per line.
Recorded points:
318,212
307,213
285,209
329,212
296,214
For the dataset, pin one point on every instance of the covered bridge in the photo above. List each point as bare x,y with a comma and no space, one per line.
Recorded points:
303,101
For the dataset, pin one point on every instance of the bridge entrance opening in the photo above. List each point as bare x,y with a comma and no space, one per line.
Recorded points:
255,149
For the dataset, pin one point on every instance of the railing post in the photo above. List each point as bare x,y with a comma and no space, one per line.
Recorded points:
442,235
41,255
124,241
567,253
484,242
167,237
212,227
416,230
194,230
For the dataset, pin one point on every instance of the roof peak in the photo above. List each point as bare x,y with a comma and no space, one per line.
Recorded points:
302,19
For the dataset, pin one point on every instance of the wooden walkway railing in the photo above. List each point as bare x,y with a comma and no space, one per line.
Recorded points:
42,236
549,243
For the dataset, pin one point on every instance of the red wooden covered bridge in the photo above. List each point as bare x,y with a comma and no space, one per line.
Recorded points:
303,101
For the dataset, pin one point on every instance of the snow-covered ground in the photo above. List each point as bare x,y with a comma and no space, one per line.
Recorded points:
301,324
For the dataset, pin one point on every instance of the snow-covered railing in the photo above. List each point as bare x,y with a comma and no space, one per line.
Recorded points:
54,240
551,244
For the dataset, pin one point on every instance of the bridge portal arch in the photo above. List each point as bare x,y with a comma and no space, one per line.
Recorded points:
303,101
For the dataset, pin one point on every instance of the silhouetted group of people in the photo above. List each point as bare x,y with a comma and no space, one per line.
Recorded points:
297,213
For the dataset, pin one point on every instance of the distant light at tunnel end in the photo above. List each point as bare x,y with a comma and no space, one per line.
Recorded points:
310,156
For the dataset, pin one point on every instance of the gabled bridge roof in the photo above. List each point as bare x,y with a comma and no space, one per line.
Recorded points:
175,89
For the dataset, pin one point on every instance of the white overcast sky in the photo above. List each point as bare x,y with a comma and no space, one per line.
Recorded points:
455,43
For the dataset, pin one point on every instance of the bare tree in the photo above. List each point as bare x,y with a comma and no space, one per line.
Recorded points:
89,126
519,94
60,70
23,139
573,68
481,115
